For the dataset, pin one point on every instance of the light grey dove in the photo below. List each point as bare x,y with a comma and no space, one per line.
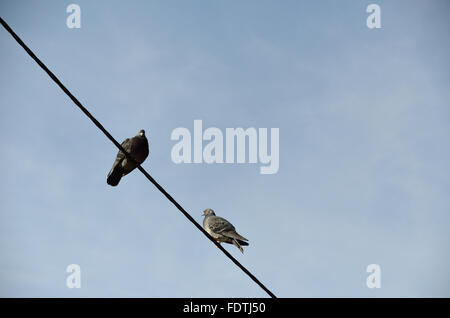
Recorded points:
137,147
221,230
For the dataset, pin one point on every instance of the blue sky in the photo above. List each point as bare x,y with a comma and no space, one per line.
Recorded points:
363,116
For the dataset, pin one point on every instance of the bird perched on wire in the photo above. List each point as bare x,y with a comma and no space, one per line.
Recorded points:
221,230
137,147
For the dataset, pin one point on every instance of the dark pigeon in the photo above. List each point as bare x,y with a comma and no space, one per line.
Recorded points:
137,147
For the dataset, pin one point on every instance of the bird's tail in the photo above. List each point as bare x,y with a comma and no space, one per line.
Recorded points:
236,243
235,239
243,243
114,176
235,235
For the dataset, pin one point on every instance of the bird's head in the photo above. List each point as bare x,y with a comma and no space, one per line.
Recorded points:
208,212
141,133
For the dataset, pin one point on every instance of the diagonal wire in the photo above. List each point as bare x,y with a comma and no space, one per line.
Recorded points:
145,173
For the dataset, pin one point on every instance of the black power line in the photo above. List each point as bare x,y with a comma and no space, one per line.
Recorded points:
110,137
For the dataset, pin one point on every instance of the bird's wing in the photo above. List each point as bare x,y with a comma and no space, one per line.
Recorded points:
127,144
233,234
120,155
219,225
